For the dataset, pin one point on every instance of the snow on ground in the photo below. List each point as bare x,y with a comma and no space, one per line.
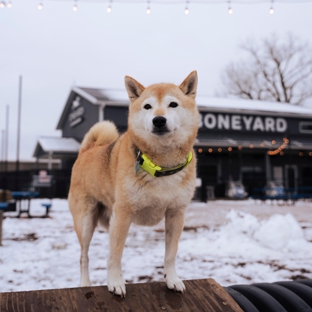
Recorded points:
231,241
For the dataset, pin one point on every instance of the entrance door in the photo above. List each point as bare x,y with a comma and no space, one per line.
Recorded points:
291,176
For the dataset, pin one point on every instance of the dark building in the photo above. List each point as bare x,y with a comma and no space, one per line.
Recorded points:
238,140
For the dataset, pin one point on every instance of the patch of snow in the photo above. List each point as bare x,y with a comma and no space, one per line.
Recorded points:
230,241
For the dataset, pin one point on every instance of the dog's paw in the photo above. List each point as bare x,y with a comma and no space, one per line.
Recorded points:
117,286
175,283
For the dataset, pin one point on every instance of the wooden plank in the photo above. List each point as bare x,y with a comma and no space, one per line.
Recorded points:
204,295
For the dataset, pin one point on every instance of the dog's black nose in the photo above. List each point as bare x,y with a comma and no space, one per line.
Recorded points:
159,121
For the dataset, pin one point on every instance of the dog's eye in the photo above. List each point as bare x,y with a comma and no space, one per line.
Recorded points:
173,104
147,106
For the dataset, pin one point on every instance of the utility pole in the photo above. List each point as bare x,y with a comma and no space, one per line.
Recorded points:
18,133
7,138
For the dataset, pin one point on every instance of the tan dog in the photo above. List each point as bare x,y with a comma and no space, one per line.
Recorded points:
114,182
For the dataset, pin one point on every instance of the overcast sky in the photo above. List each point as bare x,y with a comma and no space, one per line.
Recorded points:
54,48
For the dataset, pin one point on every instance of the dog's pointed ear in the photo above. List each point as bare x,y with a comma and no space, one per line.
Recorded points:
189,85
134,88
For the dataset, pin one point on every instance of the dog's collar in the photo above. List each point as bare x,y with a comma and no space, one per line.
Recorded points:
156,171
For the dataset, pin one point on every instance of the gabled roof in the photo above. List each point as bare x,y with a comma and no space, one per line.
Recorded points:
56,145
98,96
94,96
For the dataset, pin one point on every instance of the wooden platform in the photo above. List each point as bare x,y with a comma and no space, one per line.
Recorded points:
201,295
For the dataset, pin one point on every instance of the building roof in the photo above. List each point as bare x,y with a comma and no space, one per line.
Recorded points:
56,145
104,96
251,106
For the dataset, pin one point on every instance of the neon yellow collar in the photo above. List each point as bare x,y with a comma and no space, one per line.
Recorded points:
156,171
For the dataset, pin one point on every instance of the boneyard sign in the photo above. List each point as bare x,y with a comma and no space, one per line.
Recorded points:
242,123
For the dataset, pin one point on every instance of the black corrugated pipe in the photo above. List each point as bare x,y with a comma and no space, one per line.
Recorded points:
293,296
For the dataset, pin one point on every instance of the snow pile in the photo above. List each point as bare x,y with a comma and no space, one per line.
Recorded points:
243,231
281,233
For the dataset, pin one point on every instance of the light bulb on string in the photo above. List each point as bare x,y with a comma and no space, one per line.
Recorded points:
271,11
10,5
186,11
230,10
109,8
2,4
75,7
40,6
148,10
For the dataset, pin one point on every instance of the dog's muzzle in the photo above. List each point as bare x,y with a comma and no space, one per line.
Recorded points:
160,125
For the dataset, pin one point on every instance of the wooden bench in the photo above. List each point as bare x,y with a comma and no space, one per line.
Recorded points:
204,295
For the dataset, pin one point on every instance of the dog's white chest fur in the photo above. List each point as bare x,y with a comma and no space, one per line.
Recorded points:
151,198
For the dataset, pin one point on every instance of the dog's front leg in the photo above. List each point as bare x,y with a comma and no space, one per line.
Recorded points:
174,226
118,231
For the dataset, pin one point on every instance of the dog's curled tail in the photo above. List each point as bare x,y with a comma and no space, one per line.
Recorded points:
102,133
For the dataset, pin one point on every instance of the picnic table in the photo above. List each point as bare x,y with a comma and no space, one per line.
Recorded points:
23,200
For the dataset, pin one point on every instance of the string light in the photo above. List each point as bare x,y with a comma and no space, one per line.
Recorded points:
2,4
230,10
279,149
10,5
186,11
109,8
200,150
75,7
148,10
230,149
273,142
219,149
40,6
271,8
310,153
210,150
300,154
240,148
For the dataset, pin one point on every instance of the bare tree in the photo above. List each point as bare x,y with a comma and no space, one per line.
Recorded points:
275,69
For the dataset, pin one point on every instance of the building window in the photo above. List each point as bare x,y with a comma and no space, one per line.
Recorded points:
305,127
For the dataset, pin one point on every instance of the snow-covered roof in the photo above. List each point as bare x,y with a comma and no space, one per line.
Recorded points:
252,106
56,145
108,96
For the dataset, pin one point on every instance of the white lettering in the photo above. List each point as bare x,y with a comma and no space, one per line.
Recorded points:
76,113
281,125
200,120
247,121
223,122
210,121
258,124
236,122
269,124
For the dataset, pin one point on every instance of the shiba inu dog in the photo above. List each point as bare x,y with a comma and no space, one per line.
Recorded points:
146,174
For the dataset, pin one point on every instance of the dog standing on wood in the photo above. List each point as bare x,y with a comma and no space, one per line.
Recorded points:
143,175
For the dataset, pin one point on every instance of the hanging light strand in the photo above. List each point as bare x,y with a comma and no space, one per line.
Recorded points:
75,7
230,10
109,8
271,11
187,11
148,10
